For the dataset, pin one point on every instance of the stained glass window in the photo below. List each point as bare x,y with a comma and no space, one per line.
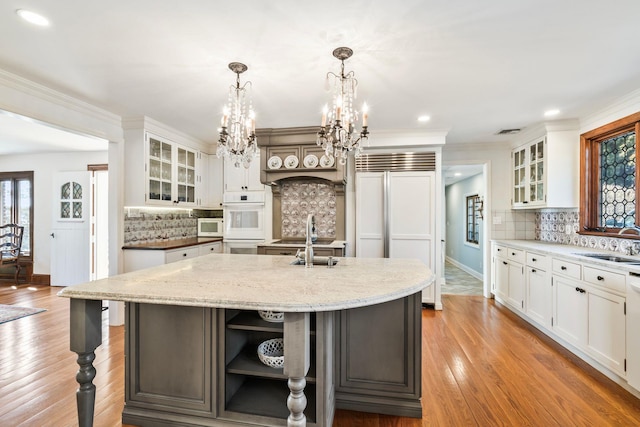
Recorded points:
618,181
473,212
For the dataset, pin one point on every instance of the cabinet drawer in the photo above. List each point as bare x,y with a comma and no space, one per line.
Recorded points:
603,278
566,268
282,250
516,255
180,254
540,262
500,250
210,248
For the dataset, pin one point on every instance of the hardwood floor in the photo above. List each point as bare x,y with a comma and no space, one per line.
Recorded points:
482,366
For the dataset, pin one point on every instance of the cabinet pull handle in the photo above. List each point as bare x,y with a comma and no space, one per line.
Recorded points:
499,249
563,268
582,291
504,262
286,253
600,278
533,260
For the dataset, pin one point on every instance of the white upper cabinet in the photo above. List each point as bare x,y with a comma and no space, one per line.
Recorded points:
160,172
241,178
545,169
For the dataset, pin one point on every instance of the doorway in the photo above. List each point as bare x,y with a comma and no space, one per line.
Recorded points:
466,231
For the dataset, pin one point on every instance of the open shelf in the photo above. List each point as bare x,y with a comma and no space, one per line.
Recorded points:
251,321
268,398
248,363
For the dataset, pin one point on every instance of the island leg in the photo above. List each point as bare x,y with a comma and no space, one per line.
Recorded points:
86,336
296,365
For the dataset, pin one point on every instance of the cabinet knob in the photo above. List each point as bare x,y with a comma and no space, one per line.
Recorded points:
600,278
504,262
563,268
184,254
533,270
499,249
513,253
533,260
582,291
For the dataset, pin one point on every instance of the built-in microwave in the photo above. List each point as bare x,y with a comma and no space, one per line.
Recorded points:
210,227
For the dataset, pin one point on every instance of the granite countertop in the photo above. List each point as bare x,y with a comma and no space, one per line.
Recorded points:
263,282
299,243
174,244
573,253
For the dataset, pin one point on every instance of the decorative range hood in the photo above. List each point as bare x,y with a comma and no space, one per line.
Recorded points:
293,153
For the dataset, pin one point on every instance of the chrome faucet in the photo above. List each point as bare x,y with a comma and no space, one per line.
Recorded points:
308,247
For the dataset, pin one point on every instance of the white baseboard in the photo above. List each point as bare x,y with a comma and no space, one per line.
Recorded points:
465,268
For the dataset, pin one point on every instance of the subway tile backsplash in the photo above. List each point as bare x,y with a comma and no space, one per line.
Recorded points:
154,225
550,225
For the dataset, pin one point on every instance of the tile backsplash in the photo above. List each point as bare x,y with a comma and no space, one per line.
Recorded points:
303,197
149,225
551,225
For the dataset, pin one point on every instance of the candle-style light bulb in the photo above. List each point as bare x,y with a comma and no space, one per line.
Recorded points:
339,108
225,117
325,110
365,114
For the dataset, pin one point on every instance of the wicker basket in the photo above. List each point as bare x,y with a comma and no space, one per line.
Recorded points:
272,316
271,352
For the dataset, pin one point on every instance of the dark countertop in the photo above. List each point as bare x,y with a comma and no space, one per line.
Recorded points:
174,244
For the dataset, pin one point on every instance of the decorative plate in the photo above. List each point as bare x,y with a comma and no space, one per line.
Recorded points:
310,161
274,162
291,162
327,161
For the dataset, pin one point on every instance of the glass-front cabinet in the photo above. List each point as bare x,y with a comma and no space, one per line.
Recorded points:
171,172
528,170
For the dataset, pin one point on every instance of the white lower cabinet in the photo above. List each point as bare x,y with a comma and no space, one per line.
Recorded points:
538,296
570,309
580,305
137,259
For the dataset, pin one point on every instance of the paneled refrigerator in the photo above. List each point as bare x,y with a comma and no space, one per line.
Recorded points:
395,217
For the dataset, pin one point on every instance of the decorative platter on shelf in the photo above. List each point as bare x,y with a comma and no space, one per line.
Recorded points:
310,161
274,162
327,161
291,162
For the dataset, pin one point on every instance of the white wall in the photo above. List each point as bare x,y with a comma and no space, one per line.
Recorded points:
456,247
44,166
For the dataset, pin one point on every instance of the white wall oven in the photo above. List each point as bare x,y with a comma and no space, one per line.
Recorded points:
244,221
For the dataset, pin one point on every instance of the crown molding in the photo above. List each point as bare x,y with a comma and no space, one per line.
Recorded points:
30,99
621,107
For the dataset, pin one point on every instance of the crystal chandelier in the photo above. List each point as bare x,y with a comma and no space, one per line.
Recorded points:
238,125
338,134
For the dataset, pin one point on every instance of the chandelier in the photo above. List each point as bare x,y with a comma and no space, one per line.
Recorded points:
238,125
338,134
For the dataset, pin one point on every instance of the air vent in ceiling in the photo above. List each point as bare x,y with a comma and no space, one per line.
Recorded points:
508,131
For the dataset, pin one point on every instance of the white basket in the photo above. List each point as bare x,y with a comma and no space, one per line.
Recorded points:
272,316
271,352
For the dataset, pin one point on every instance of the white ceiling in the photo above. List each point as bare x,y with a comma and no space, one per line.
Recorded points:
474,66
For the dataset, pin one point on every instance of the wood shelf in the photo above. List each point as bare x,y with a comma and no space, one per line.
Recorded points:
251,321
248,363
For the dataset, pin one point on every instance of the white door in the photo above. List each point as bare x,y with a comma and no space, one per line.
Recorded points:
70,247
370,227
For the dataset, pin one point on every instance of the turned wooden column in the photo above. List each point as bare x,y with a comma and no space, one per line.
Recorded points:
296,365
86,336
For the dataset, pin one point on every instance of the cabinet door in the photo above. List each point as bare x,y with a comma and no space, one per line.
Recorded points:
538,296
570,304
519,176
606,336
186,175
370,229
536,172
241,178
159,171
502,277
515,289
253,176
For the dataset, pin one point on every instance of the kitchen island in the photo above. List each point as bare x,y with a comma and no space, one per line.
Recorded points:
191,330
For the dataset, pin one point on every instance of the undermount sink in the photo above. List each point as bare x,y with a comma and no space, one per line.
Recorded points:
317,260
612,258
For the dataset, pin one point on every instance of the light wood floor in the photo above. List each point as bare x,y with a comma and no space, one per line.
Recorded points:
482,366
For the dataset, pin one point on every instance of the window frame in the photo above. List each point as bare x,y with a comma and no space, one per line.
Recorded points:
16,176
475,217
590,176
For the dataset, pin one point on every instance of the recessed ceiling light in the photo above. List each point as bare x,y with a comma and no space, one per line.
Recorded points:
457,174
33,17
551,113
424,119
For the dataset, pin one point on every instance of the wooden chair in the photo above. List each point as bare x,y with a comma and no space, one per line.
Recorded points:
10,245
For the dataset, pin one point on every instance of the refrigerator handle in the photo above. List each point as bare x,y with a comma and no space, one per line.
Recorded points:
385,215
